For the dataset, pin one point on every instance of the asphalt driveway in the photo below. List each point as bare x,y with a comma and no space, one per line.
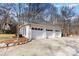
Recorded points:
68,46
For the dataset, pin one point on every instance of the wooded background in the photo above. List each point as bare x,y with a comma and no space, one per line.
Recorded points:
13,15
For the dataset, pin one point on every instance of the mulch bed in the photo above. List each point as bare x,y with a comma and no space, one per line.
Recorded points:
14,41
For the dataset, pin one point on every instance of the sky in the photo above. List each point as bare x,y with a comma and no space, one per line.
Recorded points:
75,5
58,5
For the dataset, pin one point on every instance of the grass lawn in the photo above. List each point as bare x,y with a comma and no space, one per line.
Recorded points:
6,36
1,38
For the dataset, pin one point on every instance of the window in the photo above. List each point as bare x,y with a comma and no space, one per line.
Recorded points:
57,30
32,28
41,29
49,30
37,29
24,31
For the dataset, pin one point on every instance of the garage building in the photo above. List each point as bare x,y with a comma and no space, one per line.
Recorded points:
40,31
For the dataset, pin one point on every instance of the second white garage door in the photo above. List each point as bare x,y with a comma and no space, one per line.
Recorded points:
57,33
49,34
53,33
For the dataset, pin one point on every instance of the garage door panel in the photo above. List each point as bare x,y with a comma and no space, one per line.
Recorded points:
57,34
49,34
37,34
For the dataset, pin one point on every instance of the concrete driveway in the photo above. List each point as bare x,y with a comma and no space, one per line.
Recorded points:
67,46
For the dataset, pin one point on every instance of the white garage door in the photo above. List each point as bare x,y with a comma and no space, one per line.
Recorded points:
57,33
49,34
37,33
53,33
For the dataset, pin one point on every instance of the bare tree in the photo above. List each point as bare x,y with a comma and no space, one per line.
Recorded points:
5,16
67,13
